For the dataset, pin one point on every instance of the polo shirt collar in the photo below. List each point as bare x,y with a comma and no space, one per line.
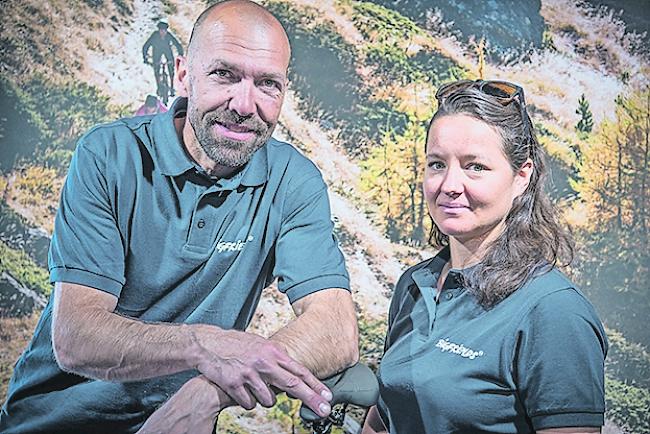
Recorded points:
427,276
172,159
168,151
256,171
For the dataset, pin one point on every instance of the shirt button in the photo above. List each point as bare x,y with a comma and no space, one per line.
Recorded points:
201,224
449,296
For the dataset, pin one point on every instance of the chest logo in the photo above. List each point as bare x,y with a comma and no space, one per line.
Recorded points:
460,349
233,246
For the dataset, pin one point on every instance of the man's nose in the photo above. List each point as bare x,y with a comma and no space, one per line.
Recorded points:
243,99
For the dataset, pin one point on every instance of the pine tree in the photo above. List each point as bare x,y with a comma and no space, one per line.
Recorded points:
586,122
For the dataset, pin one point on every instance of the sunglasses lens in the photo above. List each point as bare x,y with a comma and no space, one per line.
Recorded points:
500,90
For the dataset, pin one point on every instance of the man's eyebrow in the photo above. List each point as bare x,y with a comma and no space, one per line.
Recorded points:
218,63
273,76
222,64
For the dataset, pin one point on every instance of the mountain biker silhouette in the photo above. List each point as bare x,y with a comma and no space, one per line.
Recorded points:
161,42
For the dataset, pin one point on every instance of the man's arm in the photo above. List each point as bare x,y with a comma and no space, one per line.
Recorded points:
92,341
145,48
324,337
89,339
177,44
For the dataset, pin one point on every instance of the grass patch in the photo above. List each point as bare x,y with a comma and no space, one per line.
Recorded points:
23,269
15,333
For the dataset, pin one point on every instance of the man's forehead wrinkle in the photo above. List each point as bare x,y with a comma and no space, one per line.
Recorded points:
225,42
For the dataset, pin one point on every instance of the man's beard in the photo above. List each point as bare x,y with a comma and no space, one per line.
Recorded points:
222,150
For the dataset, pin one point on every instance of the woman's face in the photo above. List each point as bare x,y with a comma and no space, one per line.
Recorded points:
469,184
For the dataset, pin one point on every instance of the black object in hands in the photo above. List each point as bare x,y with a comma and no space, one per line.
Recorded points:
356,385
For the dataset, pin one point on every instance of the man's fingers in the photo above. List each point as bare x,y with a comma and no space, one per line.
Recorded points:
262,393
295,387
243,397
307,377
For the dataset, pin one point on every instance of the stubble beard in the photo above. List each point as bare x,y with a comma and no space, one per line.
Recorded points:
223,150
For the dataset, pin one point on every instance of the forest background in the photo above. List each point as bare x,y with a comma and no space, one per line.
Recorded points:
362,81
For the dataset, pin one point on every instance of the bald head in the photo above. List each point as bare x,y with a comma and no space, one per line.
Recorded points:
239,15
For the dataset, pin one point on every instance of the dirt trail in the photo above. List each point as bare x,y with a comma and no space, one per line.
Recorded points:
117,67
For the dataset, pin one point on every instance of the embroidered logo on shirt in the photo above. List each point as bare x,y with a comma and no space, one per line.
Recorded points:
233,246
460,349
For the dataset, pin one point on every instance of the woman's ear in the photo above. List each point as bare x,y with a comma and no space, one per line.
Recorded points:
522,177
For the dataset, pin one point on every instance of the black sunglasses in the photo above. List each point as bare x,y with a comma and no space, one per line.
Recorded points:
504,92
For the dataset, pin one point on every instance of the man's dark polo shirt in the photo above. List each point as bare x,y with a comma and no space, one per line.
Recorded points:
140,220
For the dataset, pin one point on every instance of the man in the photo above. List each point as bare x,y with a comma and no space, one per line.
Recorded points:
168,229
160,43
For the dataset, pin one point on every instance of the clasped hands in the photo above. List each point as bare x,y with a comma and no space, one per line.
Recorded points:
237,368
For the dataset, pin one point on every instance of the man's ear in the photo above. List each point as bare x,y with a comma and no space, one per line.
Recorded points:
181,77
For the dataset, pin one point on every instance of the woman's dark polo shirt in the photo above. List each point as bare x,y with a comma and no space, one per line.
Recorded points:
138,219
533,361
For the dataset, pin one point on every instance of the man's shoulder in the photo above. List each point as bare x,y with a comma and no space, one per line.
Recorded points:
101,138
283,154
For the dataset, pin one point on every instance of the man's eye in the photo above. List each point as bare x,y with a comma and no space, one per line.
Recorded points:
435,165
268,83
222,73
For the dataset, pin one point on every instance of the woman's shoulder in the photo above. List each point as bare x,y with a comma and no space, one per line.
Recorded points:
553,295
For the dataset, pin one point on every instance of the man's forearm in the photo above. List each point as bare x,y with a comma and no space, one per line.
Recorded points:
324,337
90,340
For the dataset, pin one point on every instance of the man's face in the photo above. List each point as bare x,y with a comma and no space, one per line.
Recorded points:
235,84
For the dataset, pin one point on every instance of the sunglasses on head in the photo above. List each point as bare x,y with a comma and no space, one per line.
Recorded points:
504,92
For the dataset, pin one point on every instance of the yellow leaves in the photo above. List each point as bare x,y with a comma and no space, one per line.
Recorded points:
613,170
37,184
392,176
417,100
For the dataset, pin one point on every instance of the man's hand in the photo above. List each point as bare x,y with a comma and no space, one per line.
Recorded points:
246,366
193,409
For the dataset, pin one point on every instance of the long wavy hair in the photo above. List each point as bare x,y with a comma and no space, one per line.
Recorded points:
533,241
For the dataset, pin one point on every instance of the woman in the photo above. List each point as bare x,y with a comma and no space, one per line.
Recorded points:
489,336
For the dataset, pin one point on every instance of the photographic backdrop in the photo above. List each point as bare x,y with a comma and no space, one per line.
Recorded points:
362,82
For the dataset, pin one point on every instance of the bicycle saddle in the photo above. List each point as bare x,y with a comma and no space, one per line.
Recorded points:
356,385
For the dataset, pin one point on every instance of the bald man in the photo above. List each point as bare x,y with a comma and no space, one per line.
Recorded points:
168,229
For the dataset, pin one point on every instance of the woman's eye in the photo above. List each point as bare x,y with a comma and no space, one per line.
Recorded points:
476,167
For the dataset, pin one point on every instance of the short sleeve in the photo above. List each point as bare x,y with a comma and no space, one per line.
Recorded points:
559,362
308,258
86,246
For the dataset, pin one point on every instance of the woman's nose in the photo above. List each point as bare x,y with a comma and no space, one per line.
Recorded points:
452,184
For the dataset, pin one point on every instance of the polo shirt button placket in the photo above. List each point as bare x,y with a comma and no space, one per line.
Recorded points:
449,296
200,224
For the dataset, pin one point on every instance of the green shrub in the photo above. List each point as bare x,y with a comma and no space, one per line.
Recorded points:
24,270
628,406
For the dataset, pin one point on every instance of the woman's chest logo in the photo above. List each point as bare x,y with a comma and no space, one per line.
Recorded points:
449,347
